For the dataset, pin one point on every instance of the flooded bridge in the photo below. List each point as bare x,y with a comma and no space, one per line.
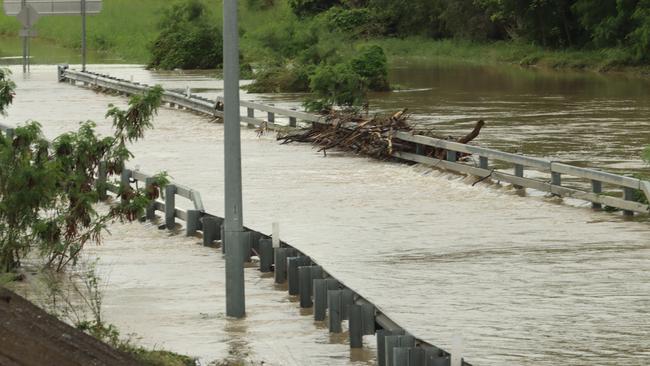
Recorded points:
524,281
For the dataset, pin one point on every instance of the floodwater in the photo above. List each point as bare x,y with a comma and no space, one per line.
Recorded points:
523,281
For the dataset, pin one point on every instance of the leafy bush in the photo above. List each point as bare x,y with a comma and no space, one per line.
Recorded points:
48,192
7,88
188,39
372,66
357,22
282,79
337,85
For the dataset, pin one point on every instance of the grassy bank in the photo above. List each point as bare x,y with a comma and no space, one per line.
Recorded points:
507,52
125,29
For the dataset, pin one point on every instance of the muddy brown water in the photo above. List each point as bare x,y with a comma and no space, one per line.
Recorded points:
523,281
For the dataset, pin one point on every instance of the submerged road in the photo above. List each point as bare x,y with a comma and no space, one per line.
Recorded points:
524,281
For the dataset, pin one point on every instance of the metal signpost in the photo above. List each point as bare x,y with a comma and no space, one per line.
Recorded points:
28,12
233,230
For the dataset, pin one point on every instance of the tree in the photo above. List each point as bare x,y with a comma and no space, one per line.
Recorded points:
6,90
49,191
188,39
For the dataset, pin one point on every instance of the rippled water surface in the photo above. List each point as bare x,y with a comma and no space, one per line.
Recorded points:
524,281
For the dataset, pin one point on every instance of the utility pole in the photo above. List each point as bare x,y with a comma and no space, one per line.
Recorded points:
83,35
25,55
233,230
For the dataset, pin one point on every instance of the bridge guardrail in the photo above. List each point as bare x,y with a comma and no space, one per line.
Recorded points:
520,163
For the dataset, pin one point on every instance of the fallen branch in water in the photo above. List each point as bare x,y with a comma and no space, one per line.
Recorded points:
372,137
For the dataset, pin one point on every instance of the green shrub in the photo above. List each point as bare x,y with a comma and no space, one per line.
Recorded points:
188,39
48,192
7,88
282,79
338,85
371,64
356,22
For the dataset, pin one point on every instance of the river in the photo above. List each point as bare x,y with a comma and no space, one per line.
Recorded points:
524,281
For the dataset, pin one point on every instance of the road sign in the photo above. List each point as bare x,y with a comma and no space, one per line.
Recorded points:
53,7
27,16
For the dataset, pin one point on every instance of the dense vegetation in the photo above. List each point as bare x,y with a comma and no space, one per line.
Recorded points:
623,25
48,192
187,39
558,33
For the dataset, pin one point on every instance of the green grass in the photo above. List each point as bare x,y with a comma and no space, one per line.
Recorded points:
124,28
506,52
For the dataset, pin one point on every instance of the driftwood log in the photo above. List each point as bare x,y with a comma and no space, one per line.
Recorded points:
374,137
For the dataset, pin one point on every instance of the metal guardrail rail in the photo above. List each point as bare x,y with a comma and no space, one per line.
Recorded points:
627,185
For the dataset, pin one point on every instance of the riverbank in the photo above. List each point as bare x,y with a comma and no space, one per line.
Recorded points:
514,53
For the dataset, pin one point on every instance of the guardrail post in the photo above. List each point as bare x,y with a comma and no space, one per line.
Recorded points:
292,273
10,133
381,347
628,195
452,156
483,162
401,356
293,121
250,113
556,179
334,306
60,72
368,315
417,357
304,285
320,298
390,343
597,188
125,181
347,299
419,149
266,255
519,172
271,116
356,326
437,360
210,228
280,274
193,222
150,212
102,175
170,206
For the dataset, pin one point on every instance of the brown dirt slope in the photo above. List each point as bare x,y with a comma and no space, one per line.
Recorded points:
31,337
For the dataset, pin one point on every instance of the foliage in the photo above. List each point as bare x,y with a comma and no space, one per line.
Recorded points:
7,88
646,155
372,65
355,22
48,192
188,39
336,85
311,7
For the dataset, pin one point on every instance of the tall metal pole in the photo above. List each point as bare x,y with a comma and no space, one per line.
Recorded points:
22,6
83,35
233,230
